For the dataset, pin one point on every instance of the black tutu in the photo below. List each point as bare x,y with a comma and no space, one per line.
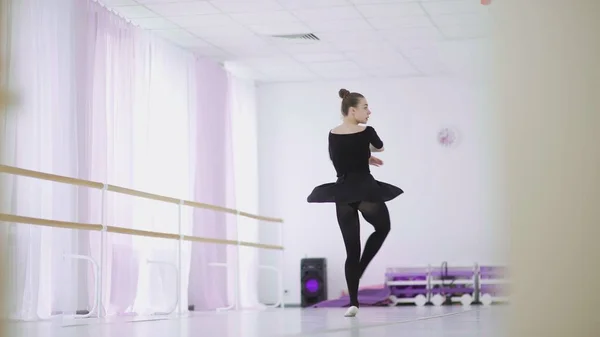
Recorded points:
354,188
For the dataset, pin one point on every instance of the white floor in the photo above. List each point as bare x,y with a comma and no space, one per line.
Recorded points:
409,321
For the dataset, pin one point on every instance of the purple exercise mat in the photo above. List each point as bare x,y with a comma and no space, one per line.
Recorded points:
366,297
404,275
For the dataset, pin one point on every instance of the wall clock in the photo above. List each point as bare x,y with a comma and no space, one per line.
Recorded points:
447,137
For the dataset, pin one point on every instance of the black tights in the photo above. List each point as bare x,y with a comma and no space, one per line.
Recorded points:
376,213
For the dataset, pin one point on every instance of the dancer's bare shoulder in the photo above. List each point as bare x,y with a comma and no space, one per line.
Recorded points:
347,129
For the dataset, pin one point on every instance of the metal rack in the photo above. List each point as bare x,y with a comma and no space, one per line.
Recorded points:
453,284
447,284
409,285
492,284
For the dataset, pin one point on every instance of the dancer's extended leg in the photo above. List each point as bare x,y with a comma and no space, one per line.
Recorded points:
376,214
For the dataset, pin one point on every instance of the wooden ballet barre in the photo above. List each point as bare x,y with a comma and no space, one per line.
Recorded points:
49,223
260,217
211,207
145,195
127,231
127,191
49,177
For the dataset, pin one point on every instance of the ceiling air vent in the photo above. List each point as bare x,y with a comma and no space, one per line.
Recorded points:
310,36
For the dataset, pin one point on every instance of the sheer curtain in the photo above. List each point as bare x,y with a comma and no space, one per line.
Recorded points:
40,135
3,101
105,101
136,95
242,96
106,73
213,184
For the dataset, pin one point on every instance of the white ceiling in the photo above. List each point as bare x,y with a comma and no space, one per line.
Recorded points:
358,38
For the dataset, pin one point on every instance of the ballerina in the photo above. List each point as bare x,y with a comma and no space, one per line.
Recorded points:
350,147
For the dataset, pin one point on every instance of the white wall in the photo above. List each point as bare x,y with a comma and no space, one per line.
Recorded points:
446,213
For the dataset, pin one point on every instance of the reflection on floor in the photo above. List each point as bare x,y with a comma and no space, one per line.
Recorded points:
406,321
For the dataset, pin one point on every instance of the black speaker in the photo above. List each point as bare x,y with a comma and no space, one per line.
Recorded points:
313,280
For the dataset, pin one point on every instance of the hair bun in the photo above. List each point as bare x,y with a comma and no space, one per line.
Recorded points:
343,93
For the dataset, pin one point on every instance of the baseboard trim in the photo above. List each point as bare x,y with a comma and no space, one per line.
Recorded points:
288,305
293,305
190,308
78,312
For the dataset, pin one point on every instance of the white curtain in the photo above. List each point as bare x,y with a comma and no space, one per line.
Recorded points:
143,93
164,105
102,100
99,100
40,125
244,125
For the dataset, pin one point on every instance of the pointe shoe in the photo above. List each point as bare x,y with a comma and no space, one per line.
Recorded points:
351,312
